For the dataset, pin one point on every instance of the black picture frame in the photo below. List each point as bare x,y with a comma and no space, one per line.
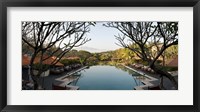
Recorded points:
99,3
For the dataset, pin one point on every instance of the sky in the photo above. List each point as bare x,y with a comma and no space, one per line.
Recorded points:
102,39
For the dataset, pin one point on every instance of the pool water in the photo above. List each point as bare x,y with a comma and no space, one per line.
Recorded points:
104,77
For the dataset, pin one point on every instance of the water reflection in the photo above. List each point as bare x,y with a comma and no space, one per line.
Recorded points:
107,78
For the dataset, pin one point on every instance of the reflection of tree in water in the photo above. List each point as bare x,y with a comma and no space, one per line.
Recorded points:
136,76
131,72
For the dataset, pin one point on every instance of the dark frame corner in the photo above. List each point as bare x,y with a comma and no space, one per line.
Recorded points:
99,3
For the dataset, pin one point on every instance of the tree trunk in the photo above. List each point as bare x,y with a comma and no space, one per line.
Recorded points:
161,83
162,72
34,77
35,85
166,74
163,60
35,80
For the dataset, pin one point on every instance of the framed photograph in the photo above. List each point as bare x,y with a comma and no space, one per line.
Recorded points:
99,55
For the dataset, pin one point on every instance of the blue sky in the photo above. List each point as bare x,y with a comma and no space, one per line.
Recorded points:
102,39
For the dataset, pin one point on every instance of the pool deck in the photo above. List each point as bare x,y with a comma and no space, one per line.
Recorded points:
148,82
64,79
152,81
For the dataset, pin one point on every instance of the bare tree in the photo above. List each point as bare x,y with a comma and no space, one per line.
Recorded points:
42,36
140,37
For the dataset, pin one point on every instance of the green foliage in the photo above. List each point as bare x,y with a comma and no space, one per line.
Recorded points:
42,67
122,55
168,68
171,52
70,61
72,53
92,61
84,55
105,57
96,55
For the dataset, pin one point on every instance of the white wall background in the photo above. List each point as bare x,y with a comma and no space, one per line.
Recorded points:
183,96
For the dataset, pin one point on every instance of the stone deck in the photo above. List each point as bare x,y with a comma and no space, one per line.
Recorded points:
153,80
64,79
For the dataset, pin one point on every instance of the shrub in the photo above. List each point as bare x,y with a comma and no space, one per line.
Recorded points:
70,61
43,67
168,68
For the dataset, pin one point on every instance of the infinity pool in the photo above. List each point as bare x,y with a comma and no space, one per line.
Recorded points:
104,77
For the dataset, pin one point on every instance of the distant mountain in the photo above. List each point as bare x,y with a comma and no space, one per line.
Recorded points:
91,49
